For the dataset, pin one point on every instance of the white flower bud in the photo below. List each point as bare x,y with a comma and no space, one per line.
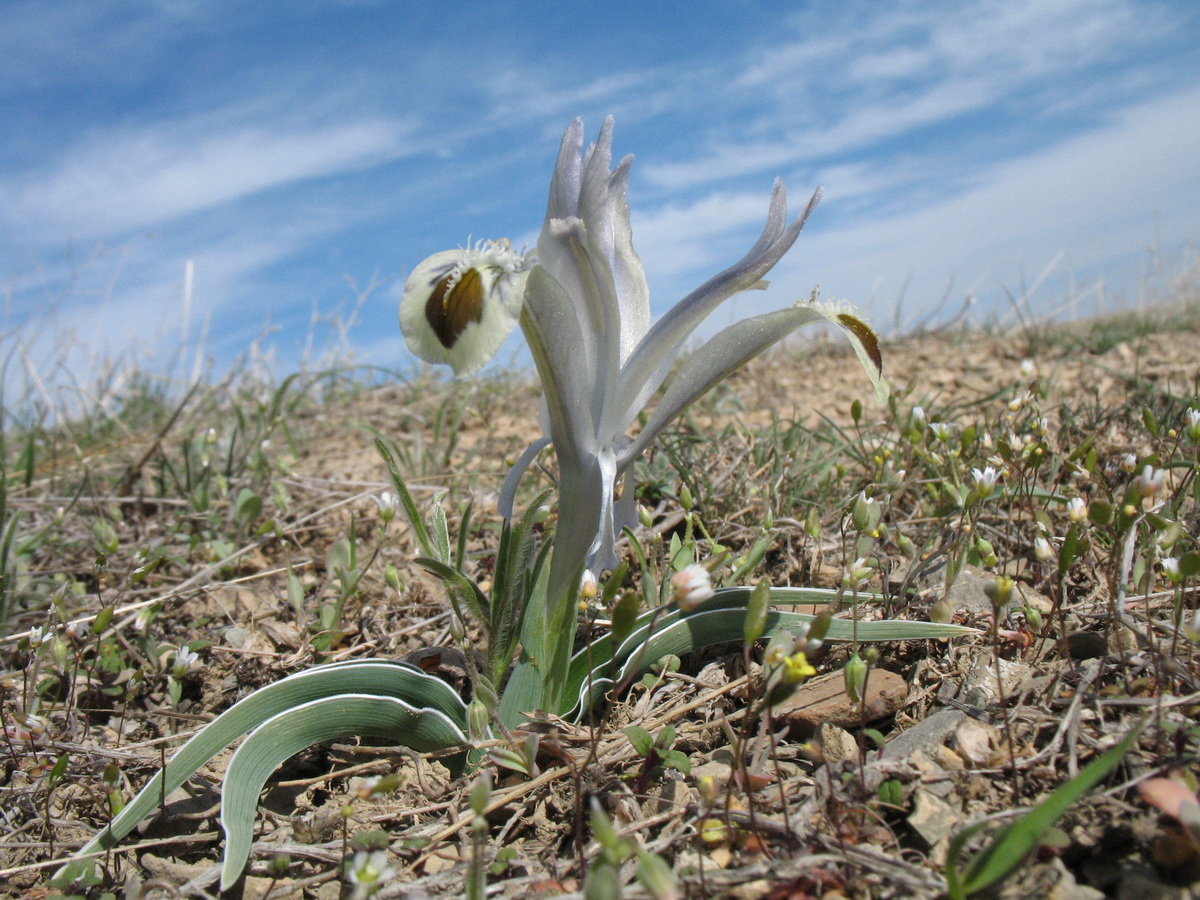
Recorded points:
691,587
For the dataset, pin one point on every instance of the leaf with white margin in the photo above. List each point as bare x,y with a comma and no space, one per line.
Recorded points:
719,620
289,732
381,677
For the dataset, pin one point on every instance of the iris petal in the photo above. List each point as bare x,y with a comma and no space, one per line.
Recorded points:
459,305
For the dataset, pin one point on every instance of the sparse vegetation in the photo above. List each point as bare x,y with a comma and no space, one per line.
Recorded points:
162,562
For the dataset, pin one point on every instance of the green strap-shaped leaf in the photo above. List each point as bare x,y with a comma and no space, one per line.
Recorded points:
719,620
1013,843
379,677
289,732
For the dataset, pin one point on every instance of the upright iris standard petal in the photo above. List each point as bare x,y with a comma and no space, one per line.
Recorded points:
587,322
586,317
460,305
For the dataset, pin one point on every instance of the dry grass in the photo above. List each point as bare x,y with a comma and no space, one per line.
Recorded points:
141,517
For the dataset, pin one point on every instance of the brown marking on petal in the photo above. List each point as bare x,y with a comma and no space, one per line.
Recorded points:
865,336
450,312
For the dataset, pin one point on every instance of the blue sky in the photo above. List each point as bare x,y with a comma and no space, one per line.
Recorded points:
292,150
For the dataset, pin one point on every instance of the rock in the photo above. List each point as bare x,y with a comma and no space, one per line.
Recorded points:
718,770
924,737
934,820
979,688
172,870
837,744
1067,888
948,759
968,592
824,699
751,890
1138,886
976,742
933,777
442,859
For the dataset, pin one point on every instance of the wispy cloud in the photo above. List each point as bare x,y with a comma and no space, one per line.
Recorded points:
894,71
118,180
1085,196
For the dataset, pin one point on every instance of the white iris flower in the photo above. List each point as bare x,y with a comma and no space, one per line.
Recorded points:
586,316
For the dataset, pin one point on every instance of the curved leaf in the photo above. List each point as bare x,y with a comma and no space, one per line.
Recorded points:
289,732
381,677
669,630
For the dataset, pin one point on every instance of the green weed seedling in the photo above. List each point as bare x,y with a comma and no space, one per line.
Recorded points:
656,753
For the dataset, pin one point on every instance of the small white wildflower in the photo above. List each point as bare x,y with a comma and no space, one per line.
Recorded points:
1020,400
1192,628
39,635
1043,549
388,503
985,479
986,442
1170,567
366,787
858,574
1128,463
1077,510
370,870
1027,367
32,727
588,587
691,586
1193,425
943,431
865,513
918,415
1150,482
184,661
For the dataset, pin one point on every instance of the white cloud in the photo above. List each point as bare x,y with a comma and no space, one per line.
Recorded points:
1084,195
894,71
119,181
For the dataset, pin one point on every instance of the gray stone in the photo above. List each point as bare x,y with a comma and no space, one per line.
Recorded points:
925,735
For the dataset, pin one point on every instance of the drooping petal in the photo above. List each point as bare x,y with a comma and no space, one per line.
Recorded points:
650,362
459,305
736,345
